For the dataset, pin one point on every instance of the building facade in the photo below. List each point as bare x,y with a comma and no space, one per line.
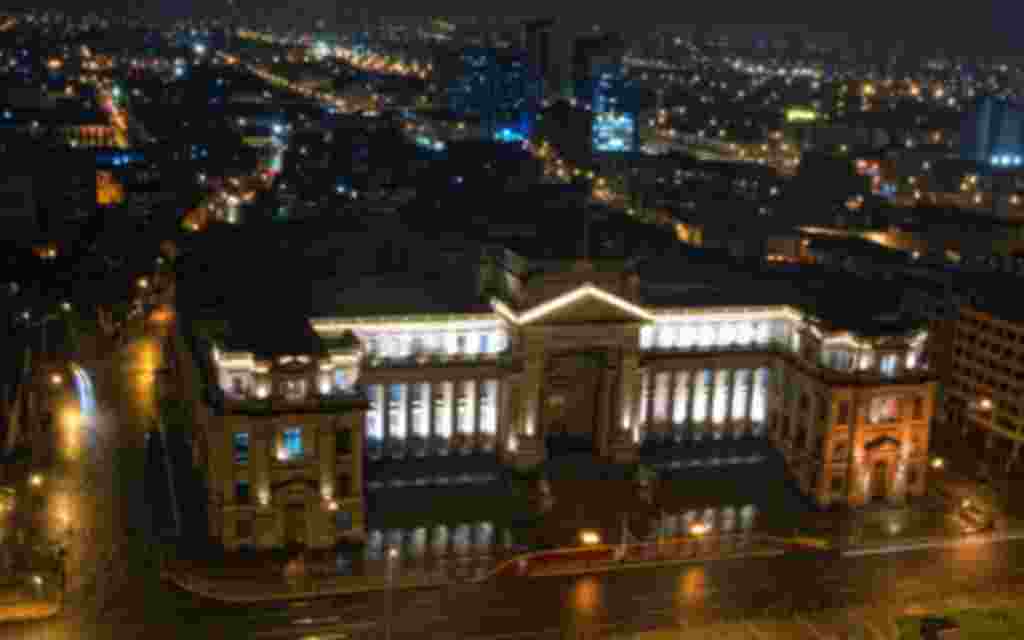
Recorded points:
580,357
286,451
576,357
982,386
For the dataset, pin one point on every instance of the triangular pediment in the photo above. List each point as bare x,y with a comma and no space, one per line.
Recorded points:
587,304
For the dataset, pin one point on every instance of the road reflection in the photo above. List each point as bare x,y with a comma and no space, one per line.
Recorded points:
692,585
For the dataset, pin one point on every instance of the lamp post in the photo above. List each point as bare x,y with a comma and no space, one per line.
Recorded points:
392,560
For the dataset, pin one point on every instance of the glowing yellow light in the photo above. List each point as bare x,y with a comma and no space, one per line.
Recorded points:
590,537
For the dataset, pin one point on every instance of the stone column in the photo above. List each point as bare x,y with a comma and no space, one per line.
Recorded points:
623,447
504,420
531,440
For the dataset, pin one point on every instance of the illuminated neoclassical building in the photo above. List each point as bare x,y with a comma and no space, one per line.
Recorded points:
609,357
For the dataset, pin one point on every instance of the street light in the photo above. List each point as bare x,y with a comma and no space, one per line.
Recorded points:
938,463
56,379
590,537
143,283
699,528
35,480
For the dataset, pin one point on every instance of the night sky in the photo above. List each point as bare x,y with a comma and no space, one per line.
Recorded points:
982,27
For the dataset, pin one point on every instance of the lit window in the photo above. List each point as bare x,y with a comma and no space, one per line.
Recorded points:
681,406
341,381
396,411
241,442
374,426
721,397
888,365
701,388
464,407
420,407
741,391
646,337
661,390
291,443
489,407
757,406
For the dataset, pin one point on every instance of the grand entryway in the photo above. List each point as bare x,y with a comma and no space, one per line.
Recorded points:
571,393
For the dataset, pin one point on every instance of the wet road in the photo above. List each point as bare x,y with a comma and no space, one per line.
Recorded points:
594,606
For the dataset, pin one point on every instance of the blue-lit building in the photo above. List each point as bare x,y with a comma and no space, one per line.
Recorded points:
601,85
993,134
498,87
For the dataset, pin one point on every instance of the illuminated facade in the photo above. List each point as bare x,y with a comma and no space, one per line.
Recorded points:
993,134
582,354
499,87
286,451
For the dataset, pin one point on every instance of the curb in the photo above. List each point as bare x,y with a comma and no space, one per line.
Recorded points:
209,594
654,564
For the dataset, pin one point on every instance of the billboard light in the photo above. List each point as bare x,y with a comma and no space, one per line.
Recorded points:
801,115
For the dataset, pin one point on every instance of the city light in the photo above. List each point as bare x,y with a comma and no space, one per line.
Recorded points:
35,480
56,379
699,528
590,537
938,463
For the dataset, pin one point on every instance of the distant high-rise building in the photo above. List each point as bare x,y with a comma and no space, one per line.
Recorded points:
600,85
498,86
537,35
993,133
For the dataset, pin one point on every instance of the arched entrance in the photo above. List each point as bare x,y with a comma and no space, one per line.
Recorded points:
295,495
880,480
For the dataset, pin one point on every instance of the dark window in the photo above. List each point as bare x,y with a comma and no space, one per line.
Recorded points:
343,442
242,447
918,408
343,520
844,412
837,484
243,529
242,492
343,485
